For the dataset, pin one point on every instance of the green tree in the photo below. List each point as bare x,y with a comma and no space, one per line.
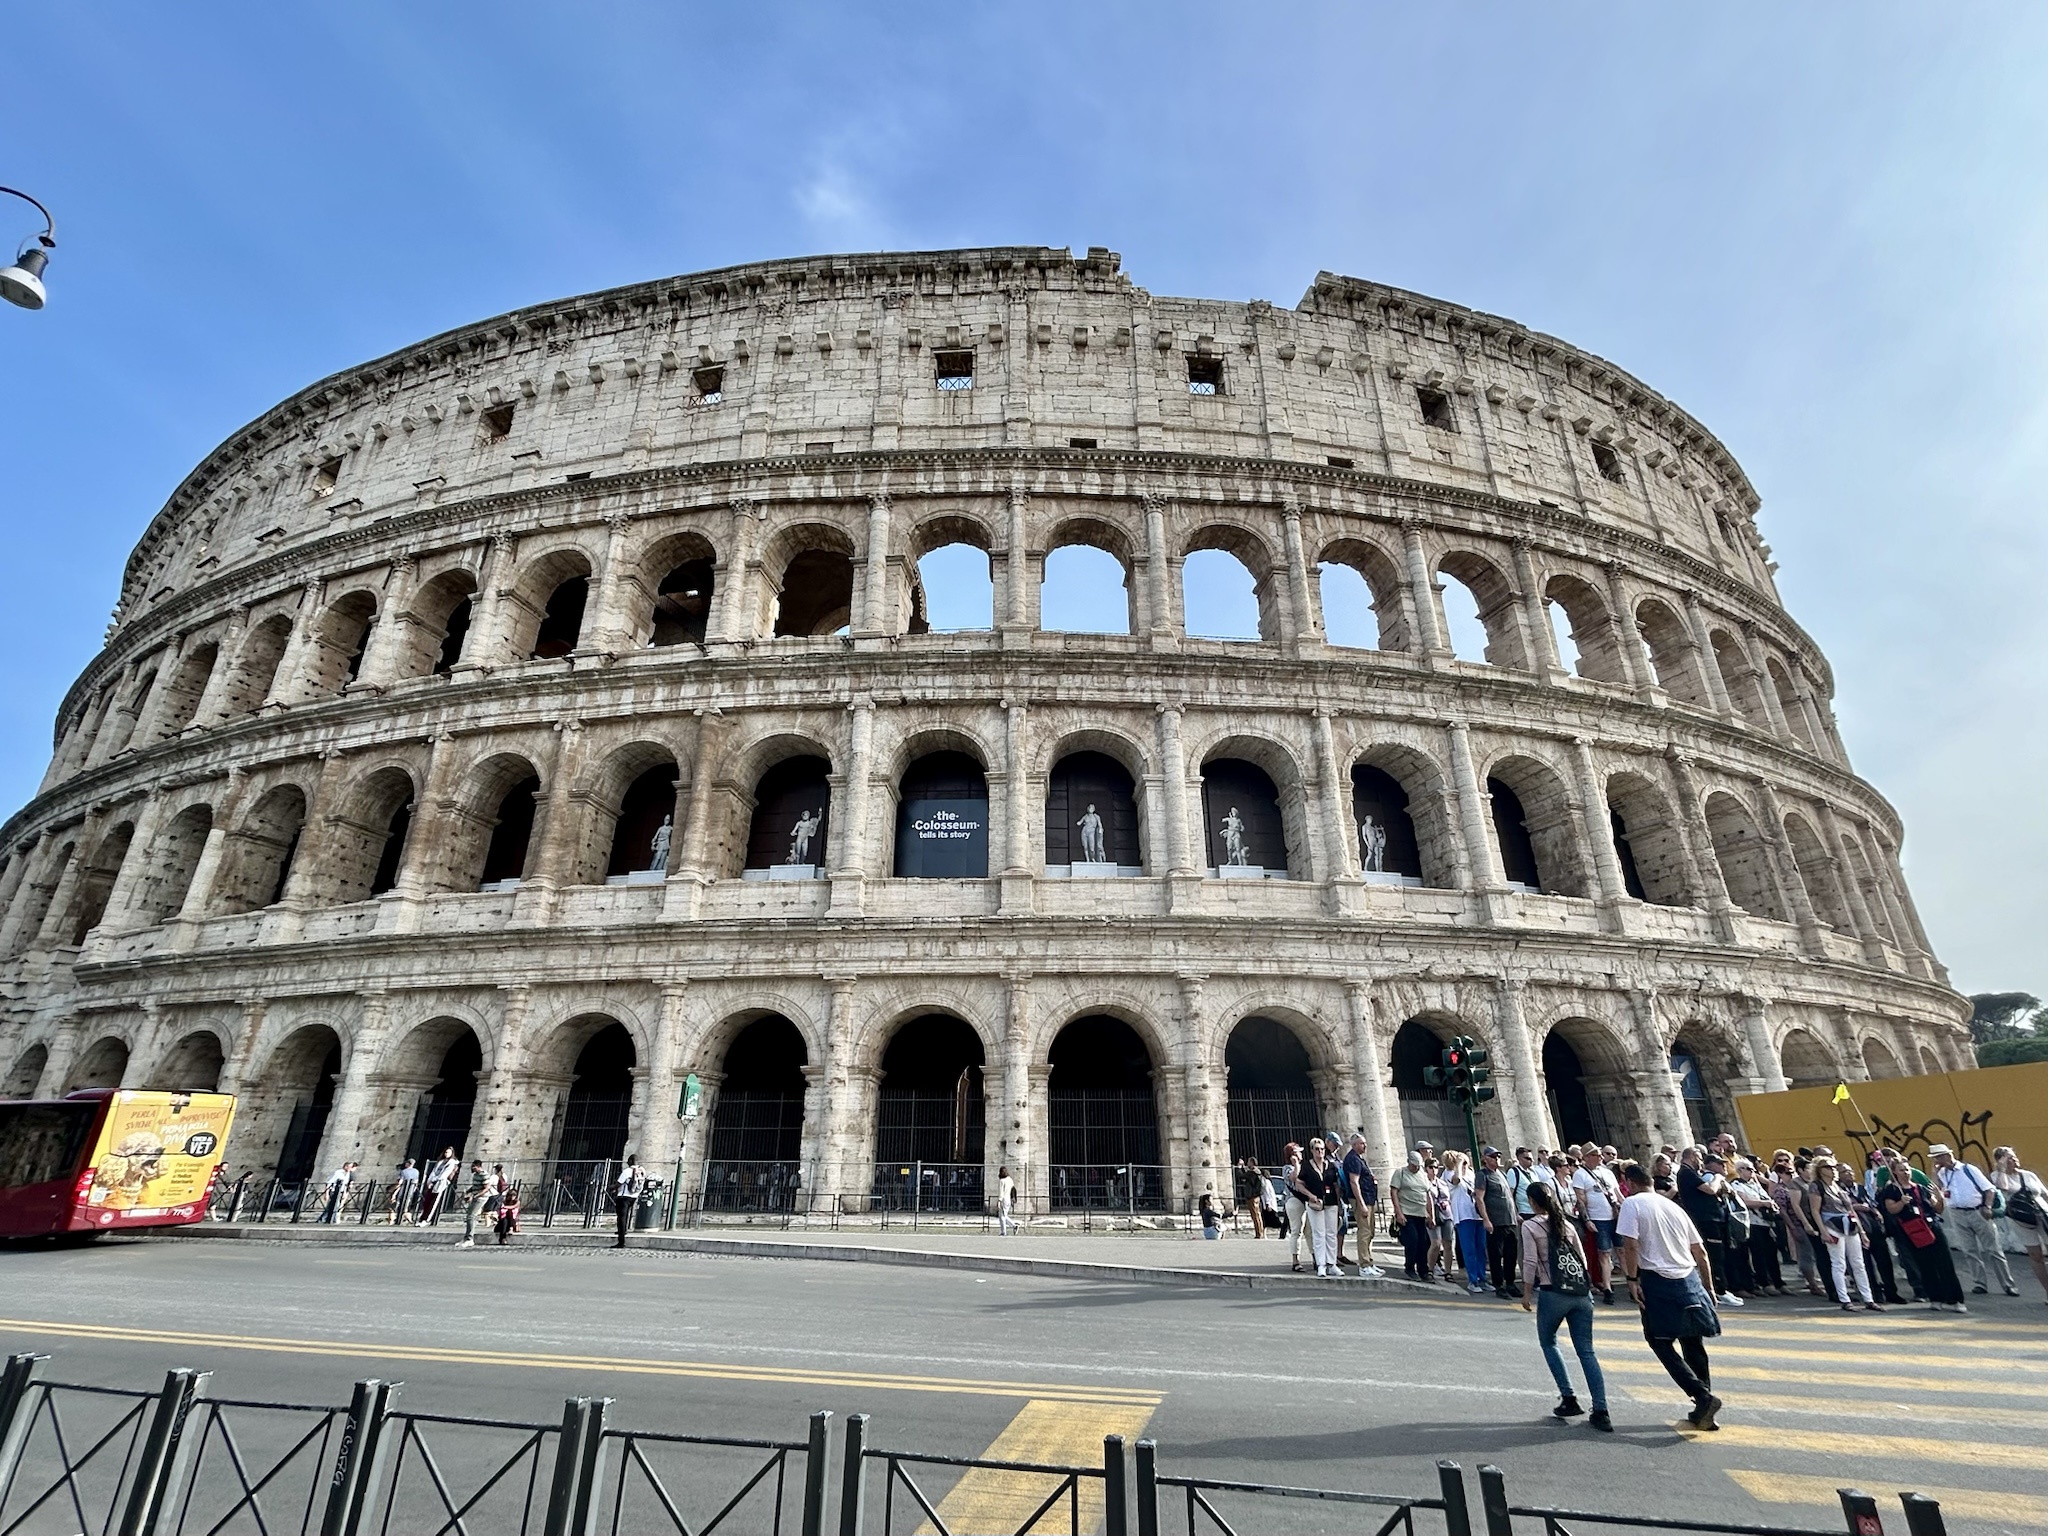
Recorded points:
2003,1016
2010,1053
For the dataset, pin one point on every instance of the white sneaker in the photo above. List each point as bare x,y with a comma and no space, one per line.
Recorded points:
1728,1300
467,1242
1476,1290
1371,1272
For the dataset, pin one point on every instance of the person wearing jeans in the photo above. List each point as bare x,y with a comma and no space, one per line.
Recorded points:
1413,1191
1671,1281
1557,1302
1972,1199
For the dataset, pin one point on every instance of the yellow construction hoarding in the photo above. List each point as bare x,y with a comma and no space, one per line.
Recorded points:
1970,1111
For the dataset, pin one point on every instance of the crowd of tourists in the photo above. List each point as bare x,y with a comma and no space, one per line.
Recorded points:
1683,1234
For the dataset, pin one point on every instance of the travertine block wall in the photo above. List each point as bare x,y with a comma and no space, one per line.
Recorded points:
224,774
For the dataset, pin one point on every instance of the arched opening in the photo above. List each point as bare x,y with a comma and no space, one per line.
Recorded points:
1103,1120
1388,853
96,880
598,1111
447,1108
341,639
1817,873
1427,1114
1091,818
1647,842
1689,1077
680,611
103,1065
1272,1099
643,832
1246,834
1479,610
27,1073
511,836
186,688
1533,830
1789,705
193,1065
256,668
929,1121
1806,1062
792,809
942,818
369,837
1856,868
1585,1074
34,898
293,1098
1672,657
1086,587
438,625
258,864
955,590
1360,588
561,619
1878,1060
119,730
1219,596
815,595
173,860
757,1122
1744,857
1739,678
1587,641
1929,1062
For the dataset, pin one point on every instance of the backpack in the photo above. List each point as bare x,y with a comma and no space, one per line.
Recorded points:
1568,1268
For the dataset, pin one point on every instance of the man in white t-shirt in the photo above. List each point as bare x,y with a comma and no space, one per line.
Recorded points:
1972,1233
1670,1279
1600,1200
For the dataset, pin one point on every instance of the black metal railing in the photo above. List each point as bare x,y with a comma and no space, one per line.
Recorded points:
178,1461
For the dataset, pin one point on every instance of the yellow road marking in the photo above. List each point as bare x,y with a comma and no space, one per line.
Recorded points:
1978,1451
782,1375
1959,1336
1761,1352
1049,1433
1834,1379
358,1263
1956,1503
1832,1407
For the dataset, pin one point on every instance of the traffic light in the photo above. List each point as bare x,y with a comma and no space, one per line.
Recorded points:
1478,1075
1457,1072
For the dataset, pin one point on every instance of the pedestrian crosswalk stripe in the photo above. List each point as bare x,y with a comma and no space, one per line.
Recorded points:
1764,1402
1870,1381
1956,1503
1764,1352
1977,1451
1866,1330
1050,1434
373,1349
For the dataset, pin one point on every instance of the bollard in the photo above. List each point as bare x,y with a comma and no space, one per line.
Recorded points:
570,1505
1148,1488
1860,1510
853,1480
1450,1478
1923,1515
1115,1498
17,1411
1493,1498
817,1455
359,1462
163,1454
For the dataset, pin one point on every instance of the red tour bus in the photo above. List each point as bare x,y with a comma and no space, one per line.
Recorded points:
107,1159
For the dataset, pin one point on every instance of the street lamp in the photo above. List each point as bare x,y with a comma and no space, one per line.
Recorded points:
22,283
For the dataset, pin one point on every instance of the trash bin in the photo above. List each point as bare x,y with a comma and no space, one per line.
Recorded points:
648,1214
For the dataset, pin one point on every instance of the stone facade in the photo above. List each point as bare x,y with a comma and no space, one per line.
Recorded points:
402,674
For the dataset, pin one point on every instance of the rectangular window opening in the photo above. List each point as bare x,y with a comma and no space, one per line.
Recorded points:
710,384
817,447
955,369
1336,461
1205,375
581,474
326,475
1081,442
498,423
1609,463
1436,409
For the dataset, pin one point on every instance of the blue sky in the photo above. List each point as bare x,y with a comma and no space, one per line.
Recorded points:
1821,229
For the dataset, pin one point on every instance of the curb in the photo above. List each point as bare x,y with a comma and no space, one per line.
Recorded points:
839,1253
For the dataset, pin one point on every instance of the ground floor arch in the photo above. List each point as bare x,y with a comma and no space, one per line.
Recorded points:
1272,1094
100,1065
285,1105
1588,1085
597,1111
27,1072
445,1118
1102,1119
193,1065
754,1160
931,1117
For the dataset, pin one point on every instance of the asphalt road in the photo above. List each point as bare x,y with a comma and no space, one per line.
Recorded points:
1331,1389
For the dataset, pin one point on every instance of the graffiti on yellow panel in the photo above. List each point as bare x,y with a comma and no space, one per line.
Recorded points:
1970,1111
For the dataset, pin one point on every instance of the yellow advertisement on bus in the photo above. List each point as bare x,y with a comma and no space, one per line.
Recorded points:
155,1158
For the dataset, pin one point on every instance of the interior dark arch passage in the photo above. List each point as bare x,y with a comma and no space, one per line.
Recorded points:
646,812
930,1121
1387,850
1103,1120
1241,816
599,1105
442,1120
792,805
757,1122
1427,1114
1084,785
1272,1098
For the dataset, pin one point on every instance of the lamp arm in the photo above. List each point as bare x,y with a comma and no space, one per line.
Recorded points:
48,237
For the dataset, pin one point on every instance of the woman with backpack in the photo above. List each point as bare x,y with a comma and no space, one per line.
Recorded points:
1557,1287
2024,1226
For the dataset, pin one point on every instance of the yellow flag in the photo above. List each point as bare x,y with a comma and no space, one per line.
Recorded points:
1841,1093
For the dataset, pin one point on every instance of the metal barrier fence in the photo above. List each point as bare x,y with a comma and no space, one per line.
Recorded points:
125,1462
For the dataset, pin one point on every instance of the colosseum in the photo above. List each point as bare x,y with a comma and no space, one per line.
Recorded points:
501,742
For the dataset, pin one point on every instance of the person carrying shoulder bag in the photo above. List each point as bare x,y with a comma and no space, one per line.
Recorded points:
1558,1288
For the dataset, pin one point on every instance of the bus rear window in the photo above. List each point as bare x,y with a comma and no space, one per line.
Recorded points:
42,1142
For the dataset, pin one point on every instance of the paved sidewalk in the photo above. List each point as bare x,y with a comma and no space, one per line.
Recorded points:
1145,1258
